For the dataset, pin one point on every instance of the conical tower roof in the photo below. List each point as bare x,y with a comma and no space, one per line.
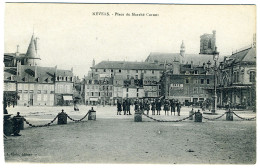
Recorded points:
31,51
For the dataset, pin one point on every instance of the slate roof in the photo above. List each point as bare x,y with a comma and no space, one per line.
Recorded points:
198,59
247,55
127,65
40,74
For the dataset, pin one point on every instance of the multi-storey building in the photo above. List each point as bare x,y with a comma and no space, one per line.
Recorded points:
30,84
236,79
193,84
125,80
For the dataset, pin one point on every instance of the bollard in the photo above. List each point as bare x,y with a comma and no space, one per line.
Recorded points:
18,124
198,116
92,114
138,116
191,113
62,117
229,115
8,125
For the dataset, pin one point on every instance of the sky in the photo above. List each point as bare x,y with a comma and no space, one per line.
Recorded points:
71,36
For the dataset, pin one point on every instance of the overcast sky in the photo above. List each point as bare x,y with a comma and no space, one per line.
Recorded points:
70,36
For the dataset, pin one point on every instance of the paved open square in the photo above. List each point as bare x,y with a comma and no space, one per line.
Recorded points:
118,139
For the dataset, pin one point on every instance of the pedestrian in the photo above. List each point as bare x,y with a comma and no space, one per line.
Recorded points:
173,106
158,107
147,107
128,104
136,103
178,105
166,107
153,107
124,106
119,107
141,104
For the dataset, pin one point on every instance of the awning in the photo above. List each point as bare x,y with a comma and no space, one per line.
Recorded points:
93,99
67,98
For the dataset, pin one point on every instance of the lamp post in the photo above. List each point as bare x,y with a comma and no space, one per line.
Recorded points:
215,58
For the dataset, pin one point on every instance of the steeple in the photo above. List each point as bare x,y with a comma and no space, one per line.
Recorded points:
182,49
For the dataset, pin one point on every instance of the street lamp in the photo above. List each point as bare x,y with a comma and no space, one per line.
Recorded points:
215,58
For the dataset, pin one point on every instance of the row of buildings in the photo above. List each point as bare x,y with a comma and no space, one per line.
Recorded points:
190,78
28,84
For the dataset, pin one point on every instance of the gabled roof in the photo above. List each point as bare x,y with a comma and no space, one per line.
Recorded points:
127,65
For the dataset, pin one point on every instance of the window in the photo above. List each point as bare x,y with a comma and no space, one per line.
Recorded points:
207,81
252,76
119,70
96,70
92,93
187,80
144,71
45,97
66,78
112,70
201,81
137,89
126,89
137,94
39,92
136,71
152,71
104,70
196,72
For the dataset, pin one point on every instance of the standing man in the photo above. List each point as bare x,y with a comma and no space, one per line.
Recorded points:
158,107
119,107
153,107
136,103
178,107
147,107
173,106
166,107
124,106
128,103
141,105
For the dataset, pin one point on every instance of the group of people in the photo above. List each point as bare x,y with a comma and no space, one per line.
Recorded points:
146,105
126,107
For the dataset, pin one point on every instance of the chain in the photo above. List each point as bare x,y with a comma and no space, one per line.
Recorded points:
168,120
213,118
243,117
79,119
45,125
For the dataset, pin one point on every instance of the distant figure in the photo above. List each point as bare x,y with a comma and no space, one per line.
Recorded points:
124,107
158,107
173,106
147,107
136,103
128,104
178,105
141,104
153,107
119,107
166,107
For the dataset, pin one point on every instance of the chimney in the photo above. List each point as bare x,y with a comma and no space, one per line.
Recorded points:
17,51
93,63
191,64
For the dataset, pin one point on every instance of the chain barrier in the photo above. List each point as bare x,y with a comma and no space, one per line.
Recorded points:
168,120
212,119
243,117
45,125
48,124
79,119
